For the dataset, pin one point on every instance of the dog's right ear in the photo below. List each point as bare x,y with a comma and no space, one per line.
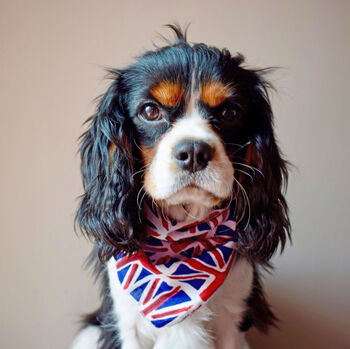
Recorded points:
107,212
266,224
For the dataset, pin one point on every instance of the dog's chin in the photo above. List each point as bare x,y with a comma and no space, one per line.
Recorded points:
191,203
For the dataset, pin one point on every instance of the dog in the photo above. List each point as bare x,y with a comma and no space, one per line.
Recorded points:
183,135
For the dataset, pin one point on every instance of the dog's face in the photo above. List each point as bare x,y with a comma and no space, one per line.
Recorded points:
184,125
183,114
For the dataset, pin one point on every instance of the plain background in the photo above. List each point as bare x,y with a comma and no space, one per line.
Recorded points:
52,57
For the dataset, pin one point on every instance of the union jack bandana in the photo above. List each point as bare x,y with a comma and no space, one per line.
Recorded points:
180,265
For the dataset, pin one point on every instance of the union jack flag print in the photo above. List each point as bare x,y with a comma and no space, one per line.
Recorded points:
180,266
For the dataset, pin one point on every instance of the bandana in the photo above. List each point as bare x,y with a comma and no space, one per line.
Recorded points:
180,265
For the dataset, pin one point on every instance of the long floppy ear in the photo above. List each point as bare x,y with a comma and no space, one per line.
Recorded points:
107,212
264,212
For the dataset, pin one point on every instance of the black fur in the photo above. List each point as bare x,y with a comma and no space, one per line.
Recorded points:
110,157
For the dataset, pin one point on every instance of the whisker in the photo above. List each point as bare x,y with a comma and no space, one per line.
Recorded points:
236,144
233,195
244,172
137,145
249,166
242,146
139,203
162,211
143,171
244,202
188,214
143,196
248,204
154,203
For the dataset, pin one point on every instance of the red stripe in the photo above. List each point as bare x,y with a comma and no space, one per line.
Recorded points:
188,226
153,233
165,224
193,230
201,237
199,265
214,214
162,299
221,239
197,251
131,275
180,246
211,288
219,279
207,244
150,292
149,266
218,257
122,262
139,257
171,312
163,260
157,249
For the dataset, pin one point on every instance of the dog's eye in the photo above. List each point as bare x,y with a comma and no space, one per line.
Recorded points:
228,113
150,112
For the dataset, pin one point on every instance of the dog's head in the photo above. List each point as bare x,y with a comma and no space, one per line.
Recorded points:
187,127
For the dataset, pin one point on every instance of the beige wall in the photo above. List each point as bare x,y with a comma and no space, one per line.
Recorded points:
52,53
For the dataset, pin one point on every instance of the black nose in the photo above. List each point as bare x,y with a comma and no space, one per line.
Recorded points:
192,155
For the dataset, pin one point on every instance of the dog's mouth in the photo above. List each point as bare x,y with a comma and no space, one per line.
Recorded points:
186,196
193,193
192,202
207,187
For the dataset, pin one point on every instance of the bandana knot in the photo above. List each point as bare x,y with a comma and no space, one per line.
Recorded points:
180,265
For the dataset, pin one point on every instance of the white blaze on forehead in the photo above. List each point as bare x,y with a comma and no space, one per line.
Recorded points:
191,127
167,179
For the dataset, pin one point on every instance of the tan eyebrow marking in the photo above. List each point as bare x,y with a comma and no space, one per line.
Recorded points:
168,93
214,93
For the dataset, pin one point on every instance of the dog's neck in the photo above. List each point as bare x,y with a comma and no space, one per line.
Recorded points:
190,203
188,212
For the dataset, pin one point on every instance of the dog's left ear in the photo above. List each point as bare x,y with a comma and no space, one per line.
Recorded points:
265,223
